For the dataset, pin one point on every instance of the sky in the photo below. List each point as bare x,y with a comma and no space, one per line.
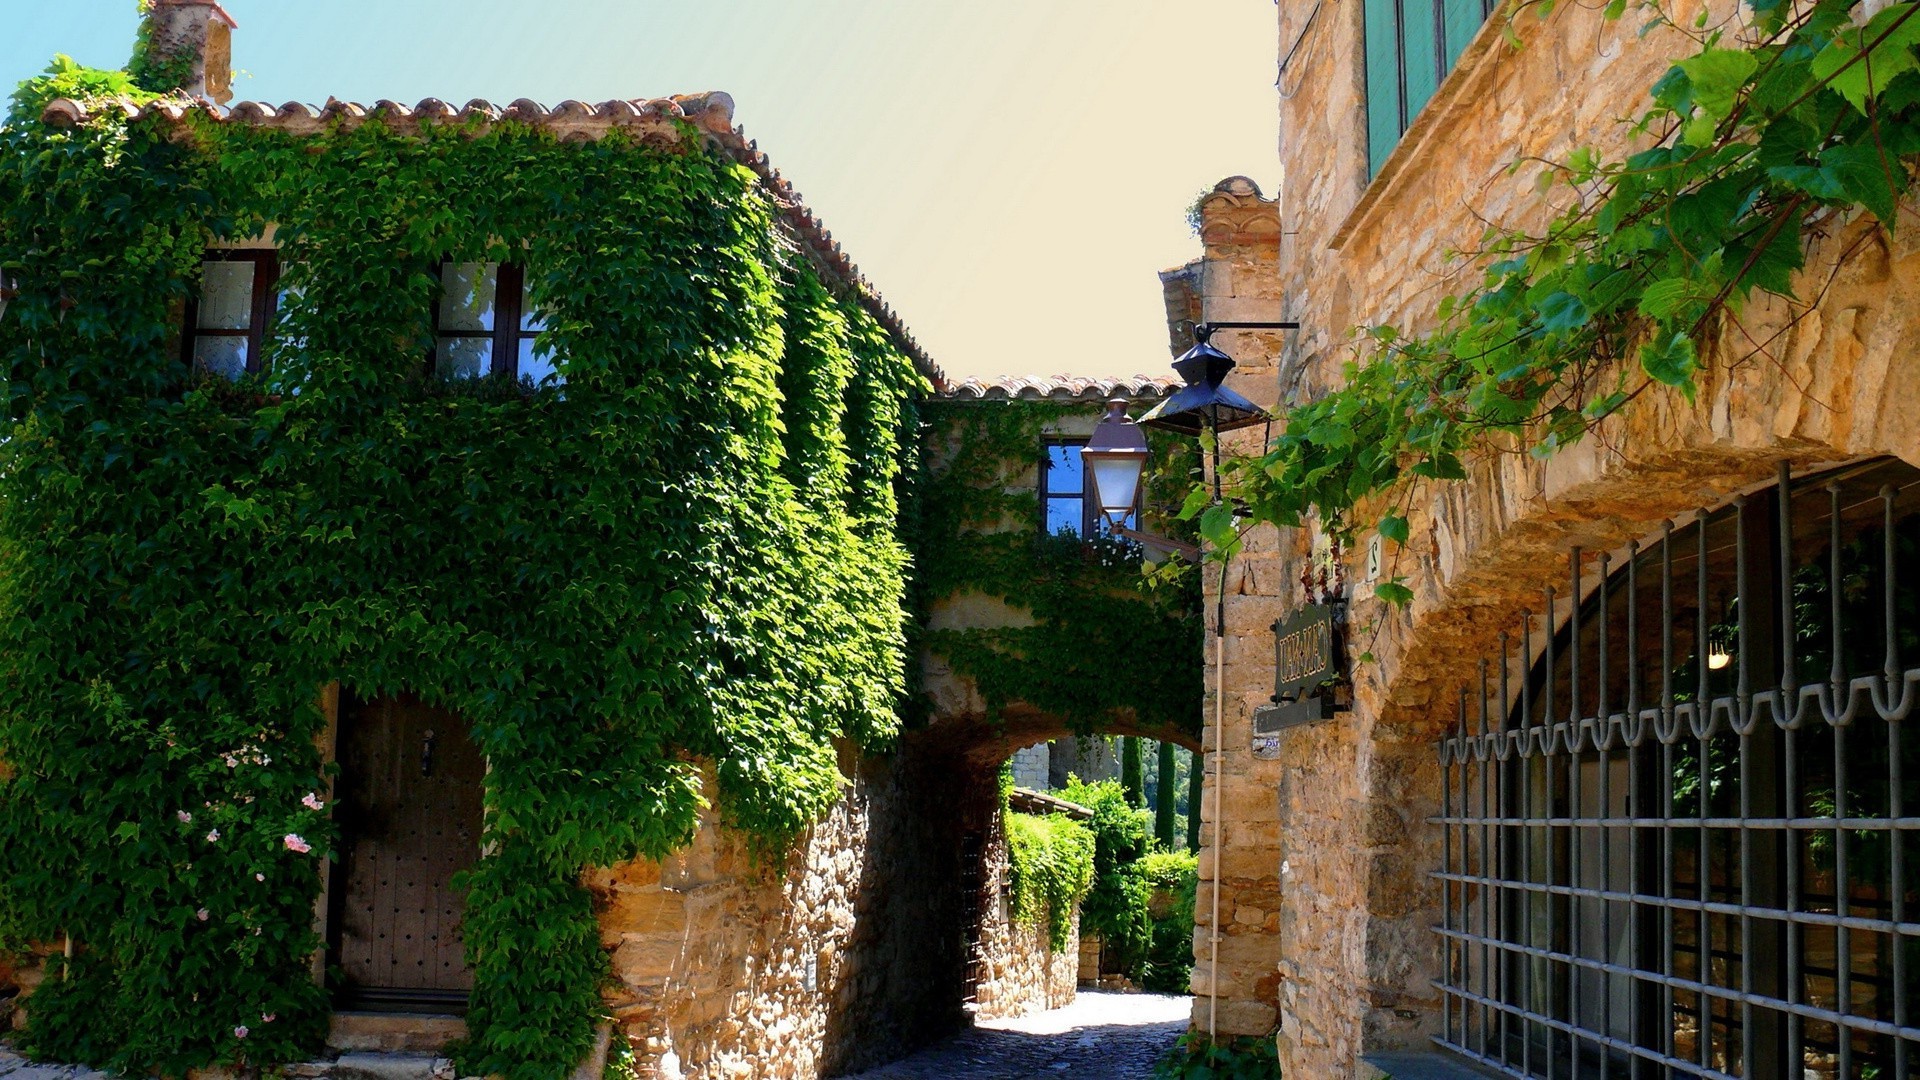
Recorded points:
1010,174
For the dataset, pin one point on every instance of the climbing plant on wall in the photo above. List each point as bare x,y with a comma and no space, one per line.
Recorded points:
1090,603
684,558
1775,130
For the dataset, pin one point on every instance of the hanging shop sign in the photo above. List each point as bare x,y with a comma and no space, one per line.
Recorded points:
1310,680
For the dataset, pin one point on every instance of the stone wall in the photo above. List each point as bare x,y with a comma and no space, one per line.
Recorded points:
1239,994
1020,970
845,956
1328,848
1030,766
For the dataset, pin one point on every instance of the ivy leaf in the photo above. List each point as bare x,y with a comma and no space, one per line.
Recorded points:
1393,592
1864,176
1563,311
1394,528
1662,299
1671,362
1717,76
1859,63
1218,529
1196,500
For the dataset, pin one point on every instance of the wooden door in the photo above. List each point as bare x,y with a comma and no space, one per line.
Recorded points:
410,811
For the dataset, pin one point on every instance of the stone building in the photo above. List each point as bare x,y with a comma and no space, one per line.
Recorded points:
726,957
1399,892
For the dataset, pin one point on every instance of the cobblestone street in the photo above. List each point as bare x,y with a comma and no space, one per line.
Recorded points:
1101,1036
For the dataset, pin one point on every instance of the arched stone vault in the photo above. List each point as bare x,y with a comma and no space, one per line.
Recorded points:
1843,383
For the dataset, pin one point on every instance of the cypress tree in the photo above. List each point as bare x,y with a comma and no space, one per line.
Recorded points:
1133,772
1165,781
1195,767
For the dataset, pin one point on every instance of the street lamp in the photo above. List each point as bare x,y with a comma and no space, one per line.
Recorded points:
1205,403
1116,456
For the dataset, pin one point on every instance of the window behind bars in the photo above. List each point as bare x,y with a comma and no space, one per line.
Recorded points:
1682,829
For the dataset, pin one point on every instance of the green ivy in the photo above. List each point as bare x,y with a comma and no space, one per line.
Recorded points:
151,69
1050,866
687,557
1089,600
1751,146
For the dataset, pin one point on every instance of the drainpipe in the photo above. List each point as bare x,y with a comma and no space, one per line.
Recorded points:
1219,771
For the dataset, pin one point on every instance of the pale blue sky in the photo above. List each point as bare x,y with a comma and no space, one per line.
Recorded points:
1010,173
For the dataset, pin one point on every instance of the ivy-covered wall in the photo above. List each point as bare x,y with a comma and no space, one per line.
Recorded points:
688,553
1084,635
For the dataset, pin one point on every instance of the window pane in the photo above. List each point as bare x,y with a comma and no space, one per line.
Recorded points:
223,355
1464,18
538,365
467,295
1063,470
530,319
1064,515
226,295
464,357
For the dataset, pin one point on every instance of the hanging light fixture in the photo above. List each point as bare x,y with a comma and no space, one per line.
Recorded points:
1205,403
1719,648
1115,457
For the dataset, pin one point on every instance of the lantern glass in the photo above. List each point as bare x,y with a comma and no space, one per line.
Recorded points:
1116,481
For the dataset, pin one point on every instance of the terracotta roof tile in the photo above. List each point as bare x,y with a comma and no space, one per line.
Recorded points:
654,120
1060,388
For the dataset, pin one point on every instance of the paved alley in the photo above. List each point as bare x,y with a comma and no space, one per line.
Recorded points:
1101,1036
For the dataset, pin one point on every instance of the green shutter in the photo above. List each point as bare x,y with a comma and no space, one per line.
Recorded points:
1419,35
1383,82
1464,18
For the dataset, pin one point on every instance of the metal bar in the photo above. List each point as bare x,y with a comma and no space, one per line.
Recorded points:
1896,808
1712,907
1576,870
1720,993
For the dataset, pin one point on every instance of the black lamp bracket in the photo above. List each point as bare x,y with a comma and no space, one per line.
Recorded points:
1202,332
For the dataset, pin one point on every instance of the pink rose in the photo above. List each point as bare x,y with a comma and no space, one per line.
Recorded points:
213,836
259,877
294,843
266,1018
240,1032
201,915
312,802
185,818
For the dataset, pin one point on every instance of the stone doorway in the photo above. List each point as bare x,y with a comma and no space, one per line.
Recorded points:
409,805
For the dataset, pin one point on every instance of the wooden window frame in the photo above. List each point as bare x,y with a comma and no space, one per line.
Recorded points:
263,307
509,286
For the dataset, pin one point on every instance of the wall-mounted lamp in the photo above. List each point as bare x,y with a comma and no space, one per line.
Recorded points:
1719,648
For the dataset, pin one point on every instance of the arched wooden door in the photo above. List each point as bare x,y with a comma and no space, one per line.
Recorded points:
409,806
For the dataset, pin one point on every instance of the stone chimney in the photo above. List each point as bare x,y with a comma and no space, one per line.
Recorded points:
192,40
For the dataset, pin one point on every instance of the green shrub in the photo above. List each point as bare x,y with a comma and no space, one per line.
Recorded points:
1050,863
1195,1057
1116,908
1169,967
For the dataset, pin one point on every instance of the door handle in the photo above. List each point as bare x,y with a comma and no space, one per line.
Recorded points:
426,754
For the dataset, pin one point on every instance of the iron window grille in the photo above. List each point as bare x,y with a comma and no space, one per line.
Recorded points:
227,321
485,325
1682,842
1411,46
